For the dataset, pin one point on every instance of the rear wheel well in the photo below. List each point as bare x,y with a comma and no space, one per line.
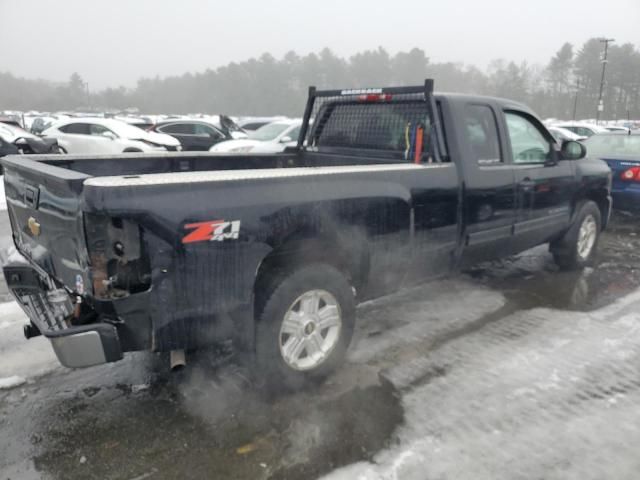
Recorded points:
305,249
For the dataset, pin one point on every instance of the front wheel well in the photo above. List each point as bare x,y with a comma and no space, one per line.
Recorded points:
601,199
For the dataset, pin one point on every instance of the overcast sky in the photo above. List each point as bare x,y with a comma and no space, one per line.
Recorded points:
114,42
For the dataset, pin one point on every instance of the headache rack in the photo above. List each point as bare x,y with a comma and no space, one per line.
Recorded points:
399,123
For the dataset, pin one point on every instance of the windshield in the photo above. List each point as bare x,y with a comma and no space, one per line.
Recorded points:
269,132
611,145
228,124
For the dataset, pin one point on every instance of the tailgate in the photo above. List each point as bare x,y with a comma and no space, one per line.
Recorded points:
43,203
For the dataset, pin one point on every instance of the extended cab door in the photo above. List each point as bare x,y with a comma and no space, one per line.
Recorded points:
545,184
489,185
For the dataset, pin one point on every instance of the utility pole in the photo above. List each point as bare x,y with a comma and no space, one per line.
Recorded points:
606,42
575,101
86,84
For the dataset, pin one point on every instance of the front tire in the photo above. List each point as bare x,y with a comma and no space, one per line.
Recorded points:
577,248
304,326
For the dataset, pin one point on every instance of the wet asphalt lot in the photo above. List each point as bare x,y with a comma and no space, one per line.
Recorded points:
134,419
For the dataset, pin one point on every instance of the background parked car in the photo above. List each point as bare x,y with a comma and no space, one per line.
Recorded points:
40,124
254,123
10,120
582,129
144,123
15,140
197,135
271,138
104,135
562,134
621,151
616,128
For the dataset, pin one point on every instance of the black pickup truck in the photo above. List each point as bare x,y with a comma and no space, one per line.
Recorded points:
386,188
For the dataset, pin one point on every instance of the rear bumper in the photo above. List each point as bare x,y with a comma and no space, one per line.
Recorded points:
627,199
75,346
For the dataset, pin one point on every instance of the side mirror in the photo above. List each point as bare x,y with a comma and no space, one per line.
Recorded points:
109,135
572,150
286,139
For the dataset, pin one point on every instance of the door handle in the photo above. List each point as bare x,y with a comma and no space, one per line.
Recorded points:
527,184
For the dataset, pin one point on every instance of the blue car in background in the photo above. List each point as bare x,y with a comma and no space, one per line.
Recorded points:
621,151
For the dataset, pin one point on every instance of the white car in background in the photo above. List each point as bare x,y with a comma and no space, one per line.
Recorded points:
581,128
616,128
562,134
107,136
254,123
271,138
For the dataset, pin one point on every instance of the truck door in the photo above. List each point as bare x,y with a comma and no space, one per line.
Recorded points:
489,185
545,184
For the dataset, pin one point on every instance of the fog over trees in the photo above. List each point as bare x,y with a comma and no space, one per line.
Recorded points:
269,86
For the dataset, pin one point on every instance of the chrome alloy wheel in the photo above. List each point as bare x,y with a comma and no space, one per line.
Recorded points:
587,236
310,330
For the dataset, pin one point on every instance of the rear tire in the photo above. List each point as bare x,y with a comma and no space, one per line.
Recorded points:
304,326
132,150
577,248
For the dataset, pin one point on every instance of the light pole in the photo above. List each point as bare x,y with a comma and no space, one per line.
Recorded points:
86,84
575,101
606,42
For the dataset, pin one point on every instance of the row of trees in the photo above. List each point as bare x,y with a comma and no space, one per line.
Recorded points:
267,86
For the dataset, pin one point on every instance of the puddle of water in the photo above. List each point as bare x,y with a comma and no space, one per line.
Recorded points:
533,280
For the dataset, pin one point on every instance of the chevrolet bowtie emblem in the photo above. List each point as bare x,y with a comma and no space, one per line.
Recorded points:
34,226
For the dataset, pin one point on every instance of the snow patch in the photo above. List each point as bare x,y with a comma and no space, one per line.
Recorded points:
22,357
545,391
11,382
12,310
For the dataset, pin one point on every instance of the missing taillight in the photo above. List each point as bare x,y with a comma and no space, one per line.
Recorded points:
118,263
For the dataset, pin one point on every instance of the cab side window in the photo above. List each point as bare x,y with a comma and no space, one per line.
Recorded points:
481,132
528,143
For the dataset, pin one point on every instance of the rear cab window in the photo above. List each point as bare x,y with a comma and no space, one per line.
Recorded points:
393,130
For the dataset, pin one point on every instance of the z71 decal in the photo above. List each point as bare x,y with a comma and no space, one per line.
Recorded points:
213,231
